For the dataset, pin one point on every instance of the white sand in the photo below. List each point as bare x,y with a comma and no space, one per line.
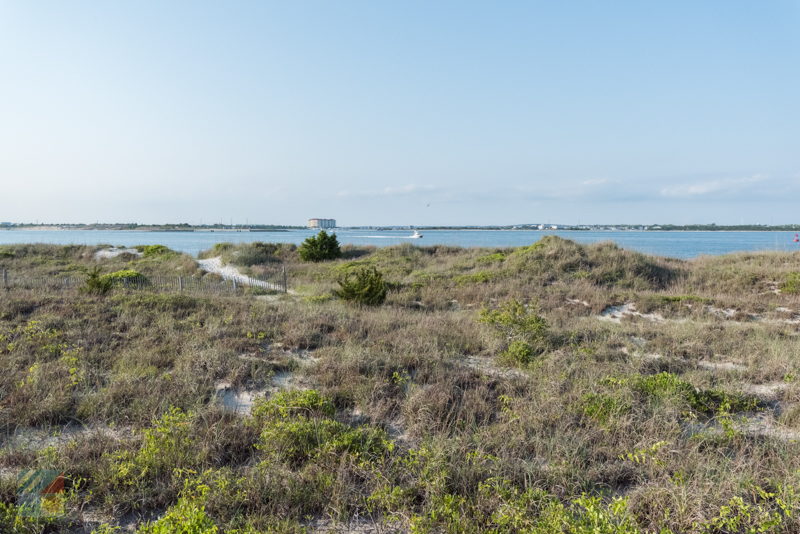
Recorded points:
229,272
114,252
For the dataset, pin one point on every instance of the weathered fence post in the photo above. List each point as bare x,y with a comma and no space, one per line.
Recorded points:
285,282
180,283
5,279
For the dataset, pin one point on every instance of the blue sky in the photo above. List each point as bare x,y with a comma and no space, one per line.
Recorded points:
400,112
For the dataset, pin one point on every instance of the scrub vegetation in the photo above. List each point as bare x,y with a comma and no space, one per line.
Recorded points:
554,388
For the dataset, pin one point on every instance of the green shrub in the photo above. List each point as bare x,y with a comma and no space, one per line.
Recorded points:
13,519
167,446
480,277
295,403
663,385
150,251
188,516
100,284
792,283
297,426
318,299
125,277
507,509
708,401
602,408
518,353
96,283
517,321
295,441
492,258
320,247
362,285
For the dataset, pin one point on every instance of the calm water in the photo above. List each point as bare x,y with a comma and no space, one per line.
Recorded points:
673,244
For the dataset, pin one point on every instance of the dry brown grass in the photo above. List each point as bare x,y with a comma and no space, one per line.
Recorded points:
424,369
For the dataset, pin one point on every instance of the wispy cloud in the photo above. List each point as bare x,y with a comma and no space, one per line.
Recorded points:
723,186
595,181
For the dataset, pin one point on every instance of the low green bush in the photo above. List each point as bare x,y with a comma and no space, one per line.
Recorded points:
502,508
362,285
480,277
96,283
125,277
708,401
15,520
492,258
518,353
188,516
525,330
151,251
297,426
294,403
515,319
602,407
145,475
792,283
100,284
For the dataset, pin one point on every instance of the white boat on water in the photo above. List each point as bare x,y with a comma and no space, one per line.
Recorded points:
415,235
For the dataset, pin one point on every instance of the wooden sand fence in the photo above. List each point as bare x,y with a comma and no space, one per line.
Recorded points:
275,281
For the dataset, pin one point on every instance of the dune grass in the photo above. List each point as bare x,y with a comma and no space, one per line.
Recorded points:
484,394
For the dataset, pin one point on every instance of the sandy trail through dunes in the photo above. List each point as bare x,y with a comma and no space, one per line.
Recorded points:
229,272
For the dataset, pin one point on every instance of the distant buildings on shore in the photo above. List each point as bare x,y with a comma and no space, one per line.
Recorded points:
322,223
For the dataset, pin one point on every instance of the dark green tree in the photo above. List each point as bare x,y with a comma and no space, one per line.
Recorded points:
320,247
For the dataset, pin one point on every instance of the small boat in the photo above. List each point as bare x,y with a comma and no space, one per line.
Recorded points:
415,235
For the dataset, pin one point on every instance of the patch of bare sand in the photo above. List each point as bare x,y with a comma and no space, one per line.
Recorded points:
241,400
113,252
615,314
721,366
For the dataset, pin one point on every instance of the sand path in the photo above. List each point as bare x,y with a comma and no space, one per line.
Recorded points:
229,272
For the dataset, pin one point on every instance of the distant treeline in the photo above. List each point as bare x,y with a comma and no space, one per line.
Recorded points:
732,228
185,227
182,227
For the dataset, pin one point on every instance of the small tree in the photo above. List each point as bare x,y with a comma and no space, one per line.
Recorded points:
96,283
362,285
320,247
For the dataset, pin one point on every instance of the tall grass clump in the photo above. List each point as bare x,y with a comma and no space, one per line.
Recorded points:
398,417
526,331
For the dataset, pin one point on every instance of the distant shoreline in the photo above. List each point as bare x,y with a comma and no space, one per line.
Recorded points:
67,228
267,229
